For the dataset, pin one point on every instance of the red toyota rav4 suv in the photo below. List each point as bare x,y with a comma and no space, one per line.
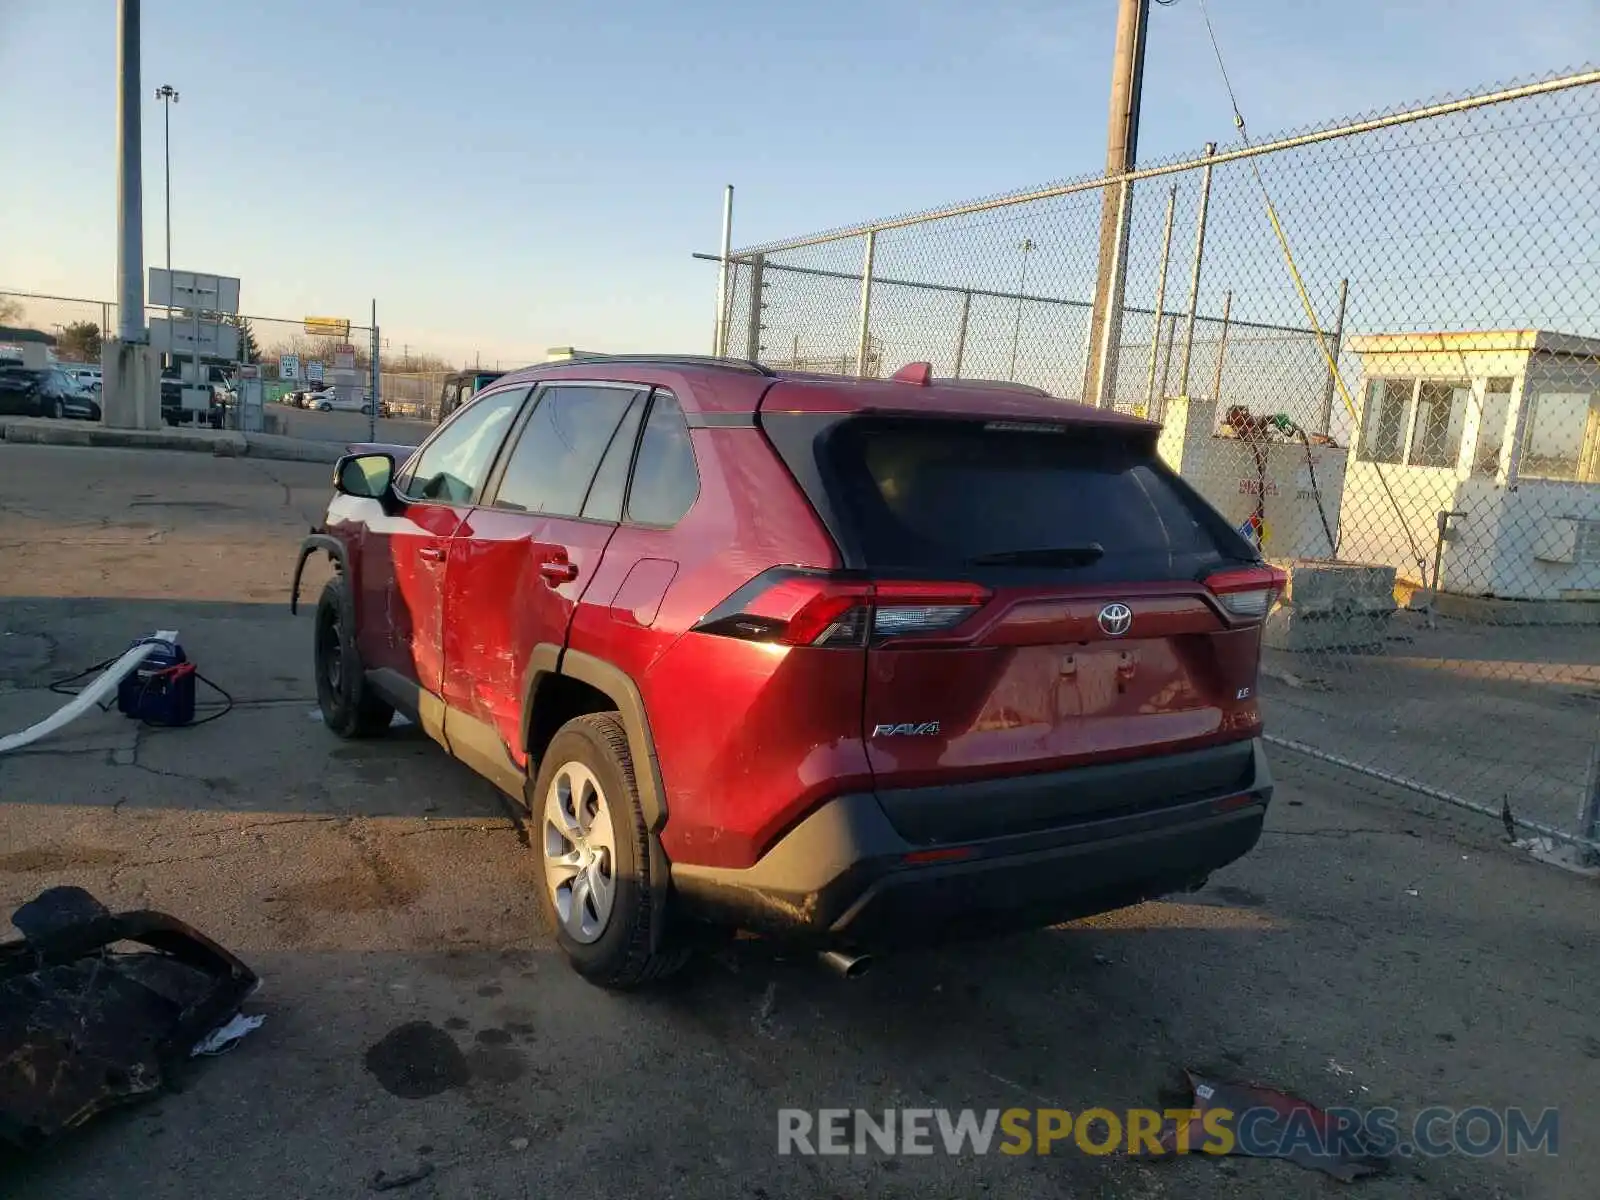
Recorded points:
852,662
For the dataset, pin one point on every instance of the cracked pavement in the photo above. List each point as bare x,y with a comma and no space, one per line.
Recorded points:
1369,951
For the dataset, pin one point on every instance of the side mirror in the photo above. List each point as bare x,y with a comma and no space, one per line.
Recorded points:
367,476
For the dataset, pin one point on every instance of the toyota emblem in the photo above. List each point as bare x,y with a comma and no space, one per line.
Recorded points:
1115,619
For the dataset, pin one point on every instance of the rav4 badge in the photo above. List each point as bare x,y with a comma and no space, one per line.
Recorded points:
908,729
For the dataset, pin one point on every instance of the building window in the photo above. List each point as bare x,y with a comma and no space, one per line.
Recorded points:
1492,419
1563,438
1440,419
1382,440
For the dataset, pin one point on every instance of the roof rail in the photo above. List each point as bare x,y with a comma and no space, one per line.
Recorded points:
668,360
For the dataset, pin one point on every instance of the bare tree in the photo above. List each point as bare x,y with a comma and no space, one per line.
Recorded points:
10,310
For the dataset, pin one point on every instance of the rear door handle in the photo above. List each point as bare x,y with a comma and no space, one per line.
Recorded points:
557,571
431,553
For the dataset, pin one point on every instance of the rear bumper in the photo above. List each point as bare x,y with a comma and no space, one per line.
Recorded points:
848,875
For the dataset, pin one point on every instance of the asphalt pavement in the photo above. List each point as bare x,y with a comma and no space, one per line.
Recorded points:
1369,952
349,426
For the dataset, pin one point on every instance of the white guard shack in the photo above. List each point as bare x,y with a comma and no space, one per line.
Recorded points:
1498,429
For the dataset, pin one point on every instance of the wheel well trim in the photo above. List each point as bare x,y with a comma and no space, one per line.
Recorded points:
618,685
550,659
335,550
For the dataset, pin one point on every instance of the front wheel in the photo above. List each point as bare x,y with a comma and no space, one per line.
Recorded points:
598,890
349,707
366,410
324,407
57,409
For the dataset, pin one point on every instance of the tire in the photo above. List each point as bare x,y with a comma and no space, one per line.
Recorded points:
324,407
57,410
584,807
366,410
349,707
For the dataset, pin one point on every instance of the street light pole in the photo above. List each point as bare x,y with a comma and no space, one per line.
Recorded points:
168,95
1027,247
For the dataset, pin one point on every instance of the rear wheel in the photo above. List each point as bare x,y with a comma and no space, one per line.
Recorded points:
595,847
366,410
57,409
349,707
324,407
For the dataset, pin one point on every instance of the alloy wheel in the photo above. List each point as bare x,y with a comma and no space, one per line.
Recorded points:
579,852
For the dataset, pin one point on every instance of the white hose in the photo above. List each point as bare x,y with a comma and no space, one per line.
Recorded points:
90,696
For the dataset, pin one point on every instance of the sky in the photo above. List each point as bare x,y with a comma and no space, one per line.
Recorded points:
506,177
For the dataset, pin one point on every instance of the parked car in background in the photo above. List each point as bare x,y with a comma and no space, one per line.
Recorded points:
329,400
44,392
851,663
88,378
172,410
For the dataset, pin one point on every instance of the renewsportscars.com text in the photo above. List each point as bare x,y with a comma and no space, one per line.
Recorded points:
1432,1133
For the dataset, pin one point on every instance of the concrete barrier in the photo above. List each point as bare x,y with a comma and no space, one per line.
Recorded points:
224,443
1332,606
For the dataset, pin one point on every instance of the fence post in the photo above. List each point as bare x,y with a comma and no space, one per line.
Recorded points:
1111,321
372,400
1166,357
1589,811
752,335
1161,303
961,331
1222,345
1326,420
719,340
863,346
1194,279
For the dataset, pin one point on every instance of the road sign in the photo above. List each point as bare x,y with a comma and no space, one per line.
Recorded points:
289,367
210,339
344,358
338,327
194,290
196,399
314,370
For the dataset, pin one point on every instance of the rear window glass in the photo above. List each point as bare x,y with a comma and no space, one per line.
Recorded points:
941,495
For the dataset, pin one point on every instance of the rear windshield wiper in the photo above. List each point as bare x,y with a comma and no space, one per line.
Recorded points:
1051,556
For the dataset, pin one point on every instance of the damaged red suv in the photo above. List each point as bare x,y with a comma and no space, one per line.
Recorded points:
851,662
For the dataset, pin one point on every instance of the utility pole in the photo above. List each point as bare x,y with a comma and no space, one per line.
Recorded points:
1122,144
130,187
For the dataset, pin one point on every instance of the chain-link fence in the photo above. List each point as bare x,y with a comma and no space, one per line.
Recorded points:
1374,346
411,376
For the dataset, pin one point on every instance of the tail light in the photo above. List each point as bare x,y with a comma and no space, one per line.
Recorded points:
796,607
1248,592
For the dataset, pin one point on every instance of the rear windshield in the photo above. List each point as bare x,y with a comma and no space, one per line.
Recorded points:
952,495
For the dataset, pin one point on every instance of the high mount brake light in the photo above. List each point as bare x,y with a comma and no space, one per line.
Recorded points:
1248,592
812,608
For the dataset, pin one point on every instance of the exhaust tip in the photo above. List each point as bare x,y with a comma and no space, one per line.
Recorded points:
846,965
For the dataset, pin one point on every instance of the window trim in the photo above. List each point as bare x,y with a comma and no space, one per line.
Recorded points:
1414,411
699,482
538,389
1530,428
494,463
1372,421
643,397
1481,399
